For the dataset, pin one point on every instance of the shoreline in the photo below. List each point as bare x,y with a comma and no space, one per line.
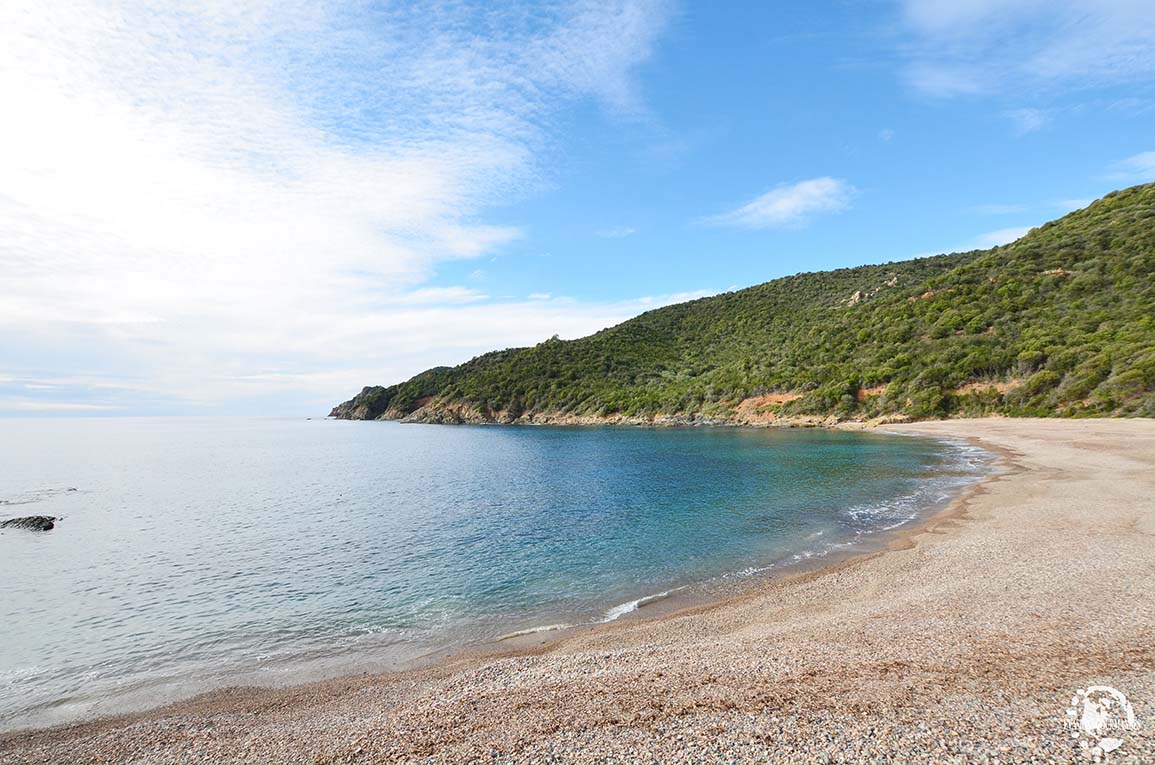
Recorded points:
722,591
325,666
675,628
745,417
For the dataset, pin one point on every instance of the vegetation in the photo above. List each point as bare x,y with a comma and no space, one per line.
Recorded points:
1059,323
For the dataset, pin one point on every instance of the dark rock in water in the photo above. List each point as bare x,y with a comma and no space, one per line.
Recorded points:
31,522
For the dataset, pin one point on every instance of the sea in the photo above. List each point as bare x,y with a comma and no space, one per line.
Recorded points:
196,553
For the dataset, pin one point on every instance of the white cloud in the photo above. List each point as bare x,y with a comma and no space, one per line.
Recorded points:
943,81
982,241
1137,168
616,232
1026,121
657,301
961,47
196,195
1062,205
789,204
442,295
374,347
886,135
1070,205
25,405
1002,236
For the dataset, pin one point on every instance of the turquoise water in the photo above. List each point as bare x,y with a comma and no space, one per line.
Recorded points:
196,552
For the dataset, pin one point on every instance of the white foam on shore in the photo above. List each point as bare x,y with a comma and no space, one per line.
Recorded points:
534,631
969,464
749,571
620,610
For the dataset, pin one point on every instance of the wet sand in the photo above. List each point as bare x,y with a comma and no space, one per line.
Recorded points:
961,643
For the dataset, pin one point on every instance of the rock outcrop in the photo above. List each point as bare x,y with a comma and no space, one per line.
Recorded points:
31,522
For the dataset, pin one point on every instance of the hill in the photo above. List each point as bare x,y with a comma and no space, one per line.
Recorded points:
1058,323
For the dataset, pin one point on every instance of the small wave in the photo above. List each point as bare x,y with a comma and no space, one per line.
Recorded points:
40,495
887,515
534,631
620,610
749,571
967,464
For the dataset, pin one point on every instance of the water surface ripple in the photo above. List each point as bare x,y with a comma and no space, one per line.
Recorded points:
197,551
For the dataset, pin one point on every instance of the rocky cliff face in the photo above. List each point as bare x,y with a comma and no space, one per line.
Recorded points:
366,407
372,403
354,408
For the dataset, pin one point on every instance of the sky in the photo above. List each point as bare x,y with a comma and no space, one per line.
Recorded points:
214,209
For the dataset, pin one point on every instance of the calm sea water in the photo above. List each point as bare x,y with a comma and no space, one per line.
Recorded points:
196,552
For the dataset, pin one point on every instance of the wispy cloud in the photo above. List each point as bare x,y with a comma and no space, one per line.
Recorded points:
1063,206
1001,236
381,346
24,405
789,204
966,47
1026,121
192,194
441,295
51,406
943,80
1070,205
616,232
982,241
1134,169
657,301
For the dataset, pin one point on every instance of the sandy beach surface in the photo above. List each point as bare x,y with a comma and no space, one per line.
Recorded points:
964,642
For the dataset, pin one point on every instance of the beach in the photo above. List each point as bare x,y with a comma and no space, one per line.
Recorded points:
964,641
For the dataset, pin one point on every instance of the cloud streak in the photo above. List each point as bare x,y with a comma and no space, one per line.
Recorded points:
1136,168
1001,236
789,205
970,47
381,346
204,196
615,232
1026,121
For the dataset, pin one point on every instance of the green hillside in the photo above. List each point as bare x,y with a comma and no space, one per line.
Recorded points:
1059,323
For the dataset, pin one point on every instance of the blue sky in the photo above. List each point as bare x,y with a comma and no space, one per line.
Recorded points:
260,209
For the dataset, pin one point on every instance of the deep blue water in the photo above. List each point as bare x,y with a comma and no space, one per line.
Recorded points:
195,552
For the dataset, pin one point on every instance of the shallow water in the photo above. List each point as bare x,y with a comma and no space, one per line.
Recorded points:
194,552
